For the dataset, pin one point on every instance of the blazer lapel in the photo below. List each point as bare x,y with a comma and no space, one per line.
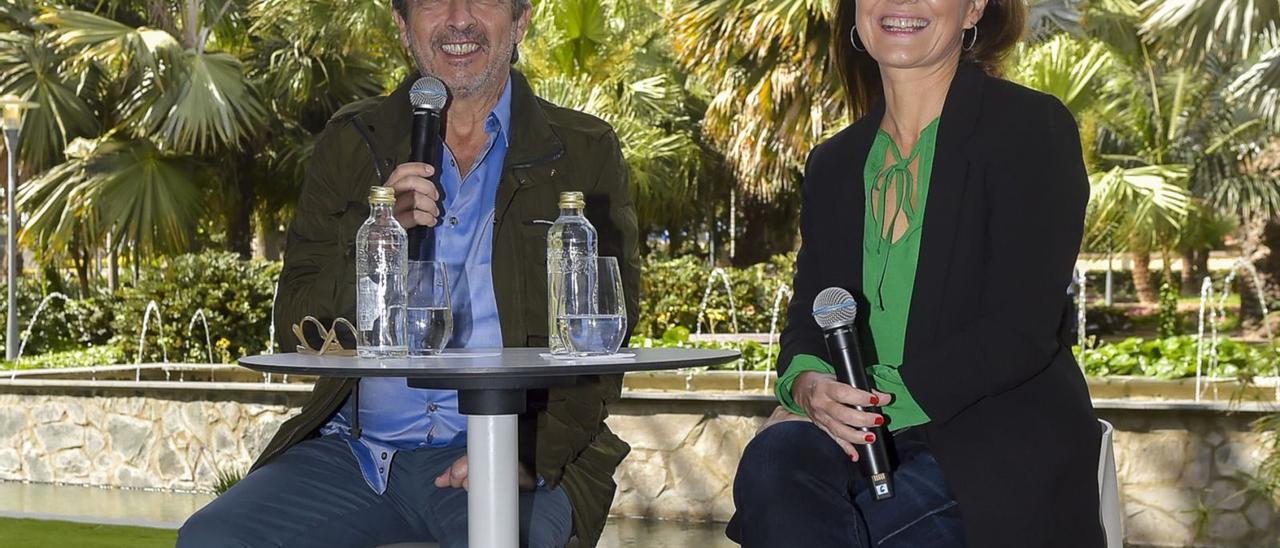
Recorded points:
942,205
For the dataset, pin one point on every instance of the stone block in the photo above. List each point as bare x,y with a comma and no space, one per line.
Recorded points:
75,411
1145,525
170,463
225,444
58,436
33,461
71,464
10,463
196,418
259,434
93,442
692,478
230,413
1199,468
658,432
645,473
128,436
1226,494
128,476
1178,504
12,421
1226,528
1153,458
1261,513
1236,457
720,443
48,412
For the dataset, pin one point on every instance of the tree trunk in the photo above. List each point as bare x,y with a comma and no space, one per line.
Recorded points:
240,218
767,230
113,269
82,268
1142,277
675,241
1189,274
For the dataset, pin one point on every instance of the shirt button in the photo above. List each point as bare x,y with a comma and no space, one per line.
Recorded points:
381,469
384,455
453,221
432,408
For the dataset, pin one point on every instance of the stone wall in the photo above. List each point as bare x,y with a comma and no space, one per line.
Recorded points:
173,440
1182,467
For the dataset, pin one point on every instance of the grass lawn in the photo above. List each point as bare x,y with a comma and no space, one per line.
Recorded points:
30,533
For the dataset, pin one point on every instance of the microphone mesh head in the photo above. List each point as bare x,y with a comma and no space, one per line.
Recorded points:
834,307
429,92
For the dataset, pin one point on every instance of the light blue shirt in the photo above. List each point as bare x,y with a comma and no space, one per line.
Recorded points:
393,416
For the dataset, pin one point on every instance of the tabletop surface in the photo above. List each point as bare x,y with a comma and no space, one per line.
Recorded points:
491,363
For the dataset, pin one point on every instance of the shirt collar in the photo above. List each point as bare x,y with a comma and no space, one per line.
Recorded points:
499,119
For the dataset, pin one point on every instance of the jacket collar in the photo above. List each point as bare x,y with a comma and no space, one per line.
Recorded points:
530,136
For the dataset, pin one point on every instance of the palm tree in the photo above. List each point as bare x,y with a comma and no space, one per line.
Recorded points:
1238,42
237,91
610,58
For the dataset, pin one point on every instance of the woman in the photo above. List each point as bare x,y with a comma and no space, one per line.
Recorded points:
953,208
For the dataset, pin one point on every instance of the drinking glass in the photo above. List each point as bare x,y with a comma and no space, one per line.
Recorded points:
430,320
595,326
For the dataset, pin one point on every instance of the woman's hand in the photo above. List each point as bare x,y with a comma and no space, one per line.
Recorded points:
829,404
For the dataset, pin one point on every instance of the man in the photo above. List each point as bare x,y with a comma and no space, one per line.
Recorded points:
508,155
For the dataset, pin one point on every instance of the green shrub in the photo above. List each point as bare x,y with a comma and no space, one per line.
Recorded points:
63,324
235,296
1175,358
81,357
672,289
1169,323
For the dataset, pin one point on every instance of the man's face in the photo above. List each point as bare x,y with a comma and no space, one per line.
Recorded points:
465,43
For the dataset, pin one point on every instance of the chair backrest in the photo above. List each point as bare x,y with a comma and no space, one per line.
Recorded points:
1110,508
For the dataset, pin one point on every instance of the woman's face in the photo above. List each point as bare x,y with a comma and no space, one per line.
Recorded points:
905,34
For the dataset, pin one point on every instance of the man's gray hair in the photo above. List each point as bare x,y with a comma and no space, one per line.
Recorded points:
518,8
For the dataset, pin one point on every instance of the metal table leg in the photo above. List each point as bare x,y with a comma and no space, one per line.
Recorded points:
493,504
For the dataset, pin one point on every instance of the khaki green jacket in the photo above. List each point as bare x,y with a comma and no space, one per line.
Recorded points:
562,435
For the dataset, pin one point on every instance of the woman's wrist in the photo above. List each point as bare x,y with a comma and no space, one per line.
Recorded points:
803,387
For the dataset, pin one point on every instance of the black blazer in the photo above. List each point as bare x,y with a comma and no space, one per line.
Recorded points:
1012,425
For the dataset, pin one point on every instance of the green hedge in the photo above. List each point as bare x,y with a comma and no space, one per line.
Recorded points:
63,325
1175,358
234,294
672,289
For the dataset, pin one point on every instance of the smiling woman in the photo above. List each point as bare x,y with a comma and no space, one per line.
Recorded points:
957,238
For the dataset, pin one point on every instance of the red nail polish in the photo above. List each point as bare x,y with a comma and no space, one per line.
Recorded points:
853,457
875,400
870,438
879,421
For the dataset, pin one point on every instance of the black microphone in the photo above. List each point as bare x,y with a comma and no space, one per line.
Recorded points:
428,97
835,310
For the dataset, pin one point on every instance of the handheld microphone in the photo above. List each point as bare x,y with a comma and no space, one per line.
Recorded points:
835,310
428,97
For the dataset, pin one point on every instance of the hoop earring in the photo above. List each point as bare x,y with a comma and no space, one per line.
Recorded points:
973,42
853,39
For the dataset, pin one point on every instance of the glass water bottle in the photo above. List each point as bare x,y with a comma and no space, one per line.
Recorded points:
571,254
381,273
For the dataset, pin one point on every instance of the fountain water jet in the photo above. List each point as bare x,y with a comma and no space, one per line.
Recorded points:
142,339
783,290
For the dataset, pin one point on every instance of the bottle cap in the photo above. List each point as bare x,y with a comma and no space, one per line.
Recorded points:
572,200
382,195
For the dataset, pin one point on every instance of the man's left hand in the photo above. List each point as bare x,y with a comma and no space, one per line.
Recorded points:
456,476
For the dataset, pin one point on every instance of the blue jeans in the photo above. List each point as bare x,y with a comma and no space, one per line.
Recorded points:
314,495
796,487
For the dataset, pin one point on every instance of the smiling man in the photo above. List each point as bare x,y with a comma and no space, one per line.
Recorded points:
370,462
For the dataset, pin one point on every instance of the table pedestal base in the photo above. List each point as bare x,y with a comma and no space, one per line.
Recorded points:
493,503
493,494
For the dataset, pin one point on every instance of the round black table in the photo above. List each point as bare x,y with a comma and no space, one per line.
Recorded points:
491,386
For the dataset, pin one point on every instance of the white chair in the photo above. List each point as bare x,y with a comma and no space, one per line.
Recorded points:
1111,511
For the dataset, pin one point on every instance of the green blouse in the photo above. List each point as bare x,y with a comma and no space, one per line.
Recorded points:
888,271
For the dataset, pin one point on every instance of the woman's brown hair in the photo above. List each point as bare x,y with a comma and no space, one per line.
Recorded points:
1001,25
